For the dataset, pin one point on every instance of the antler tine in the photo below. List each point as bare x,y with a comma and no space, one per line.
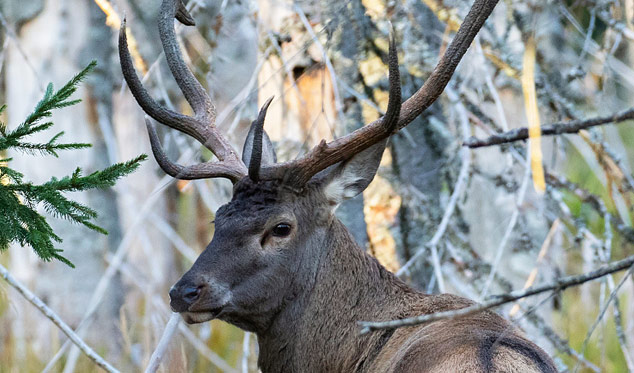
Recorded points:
199,171
256,151
440,77
194,92
183,16
161,114
299,171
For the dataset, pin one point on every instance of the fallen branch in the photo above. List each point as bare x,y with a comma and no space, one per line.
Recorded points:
497,300
51,315
550,129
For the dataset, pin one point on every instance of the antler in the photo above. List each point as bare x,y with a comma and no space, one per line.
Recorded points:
256,152
202,125
299,171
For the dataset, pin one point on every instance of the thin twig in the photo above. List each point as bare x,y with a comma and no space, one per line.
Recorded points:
246,352
560,343
161,348
542,253
605,251
559,285
14,37
205,351
51,315
620,334
573,126
162,226
459,189
510,227
499,107
604,308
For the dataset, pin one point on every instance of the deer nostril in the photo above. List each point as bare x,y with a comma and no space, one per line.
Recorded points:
190,294
184,296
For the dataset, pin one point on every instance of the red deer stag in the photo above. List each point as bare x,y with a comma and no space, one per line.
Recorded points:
283,266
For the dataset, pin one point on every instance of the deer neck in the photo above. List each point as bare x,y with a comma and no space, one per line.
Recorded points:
319,328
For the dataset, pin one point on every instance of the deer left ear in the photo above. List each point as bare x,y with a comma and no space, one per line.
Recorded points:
349,178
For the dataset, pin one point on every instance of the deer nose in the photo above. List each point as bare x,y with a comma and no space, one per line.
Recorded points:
182,297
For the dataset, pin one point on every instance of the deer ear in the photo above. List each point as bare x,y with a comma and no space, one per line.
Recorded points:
268,152
347,179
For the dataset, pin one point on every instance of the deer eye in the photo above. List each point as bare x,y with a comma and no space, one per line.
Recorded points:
281,230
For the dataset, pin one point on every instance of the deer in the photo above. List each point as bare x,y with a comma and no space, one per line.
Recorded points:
282,266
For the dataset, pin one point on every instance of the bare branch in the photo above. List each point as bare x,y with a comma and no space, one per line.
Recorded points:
51,315
161,348
114,266
521,195
459,188
602,312
560,284
205,351
198,344
551,129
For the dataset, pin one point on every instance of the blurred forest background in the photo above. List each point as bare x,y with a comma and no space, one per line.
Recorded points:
444,217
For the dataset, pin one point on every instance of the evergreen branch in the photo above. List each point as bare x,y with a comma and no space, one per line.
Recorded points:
51,100
98,179
33,229
57,100
22,224
20,220
13,175
49,148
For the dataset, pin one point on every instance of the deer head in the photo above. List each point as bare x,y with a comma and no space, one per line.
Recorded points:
269,238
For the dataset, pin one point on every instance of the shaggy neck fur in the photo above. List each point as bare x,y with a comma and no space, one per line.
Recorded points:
318,330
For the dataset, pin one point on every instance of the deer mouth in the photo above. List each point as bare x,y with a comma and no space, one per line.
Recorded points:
196,317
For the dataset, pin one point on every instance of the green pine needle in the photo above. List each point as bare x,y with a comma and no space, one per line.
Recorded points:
20,222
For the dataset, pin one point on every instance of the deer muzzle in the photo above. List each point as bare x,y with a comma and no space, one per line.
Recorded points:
198,301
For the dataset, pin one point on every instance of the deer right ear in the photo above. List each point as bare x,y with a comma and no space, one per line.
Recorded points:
349,178
268,152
